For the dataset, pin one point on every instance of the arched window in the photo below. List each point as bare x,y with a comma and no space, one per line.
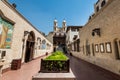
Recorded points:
103,3
47,46
43,44
31,36
39,42
97,8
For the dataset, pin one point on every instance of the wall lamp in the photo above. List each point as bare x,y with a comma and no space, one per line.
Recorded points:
96,31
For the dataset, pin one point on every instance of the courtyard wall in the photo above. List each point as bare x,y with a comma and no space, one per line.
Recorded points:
19,39
104,49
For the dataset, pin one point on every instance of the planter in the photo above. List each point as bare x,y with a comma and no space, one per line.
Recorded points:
57,62
16,64
54,66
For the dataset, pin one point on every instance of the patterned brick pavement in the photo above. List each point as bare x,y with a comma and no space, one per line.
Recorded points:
82,70
25,73
87,71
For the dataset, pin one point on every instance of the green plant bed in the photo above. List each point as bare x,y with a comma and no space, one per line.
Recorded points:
58,55
57,62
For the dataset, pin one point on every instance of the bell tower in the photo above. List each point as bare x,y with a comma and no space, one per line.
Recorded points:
55,25
64,25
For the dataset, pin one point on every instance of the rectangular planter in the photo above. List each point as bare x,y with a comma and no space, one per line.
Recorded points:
54,66
16,64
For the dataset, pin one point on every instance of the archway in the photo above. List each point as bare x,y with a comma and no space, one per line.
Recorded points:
30,47
103,3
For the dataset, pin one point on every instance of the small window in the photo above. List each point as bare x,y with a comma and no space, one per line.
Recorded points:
97,8
73,30
103,3
108,47
96,48
57,34
62,34
43,44
102,48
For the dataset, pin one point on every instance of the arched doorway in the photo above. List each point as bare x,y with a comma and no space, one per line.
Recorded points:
30,47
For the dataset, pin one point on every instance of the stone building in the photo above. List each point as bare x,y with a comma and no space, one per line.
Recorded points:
50,36
19,39
72,38
99,4
59,35
100,37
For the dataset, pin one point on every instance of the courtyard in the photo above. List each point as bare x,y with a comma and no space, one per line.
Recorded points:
81,69
89,40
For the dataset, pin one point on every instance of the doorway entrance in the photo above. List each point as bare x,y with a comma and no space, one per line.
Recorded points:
30,43
116,47
93,49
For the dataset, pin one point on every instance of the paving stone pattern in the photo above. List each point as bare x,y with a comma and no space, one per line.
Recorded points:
81,69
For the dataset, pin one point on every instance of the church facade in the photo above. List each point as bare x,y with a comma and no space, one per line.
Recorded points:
59,35
19,39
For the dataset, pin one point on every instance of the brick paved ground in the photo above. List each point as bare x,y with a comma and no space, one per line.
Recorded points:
82,70
25,73
87,71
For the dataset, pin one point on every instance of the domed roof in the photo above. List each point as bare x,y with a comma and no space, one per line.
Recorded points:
64,20
55,20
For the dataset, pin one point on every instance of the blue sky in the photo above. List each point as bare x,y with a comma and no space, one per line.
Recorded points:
41,13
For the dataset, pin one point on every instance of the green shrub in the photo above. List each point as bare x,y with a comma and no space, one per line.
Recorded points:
58,55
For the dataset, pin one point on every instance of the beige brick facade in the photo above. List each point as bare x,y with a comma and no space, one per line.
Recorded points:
21,25
96,49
